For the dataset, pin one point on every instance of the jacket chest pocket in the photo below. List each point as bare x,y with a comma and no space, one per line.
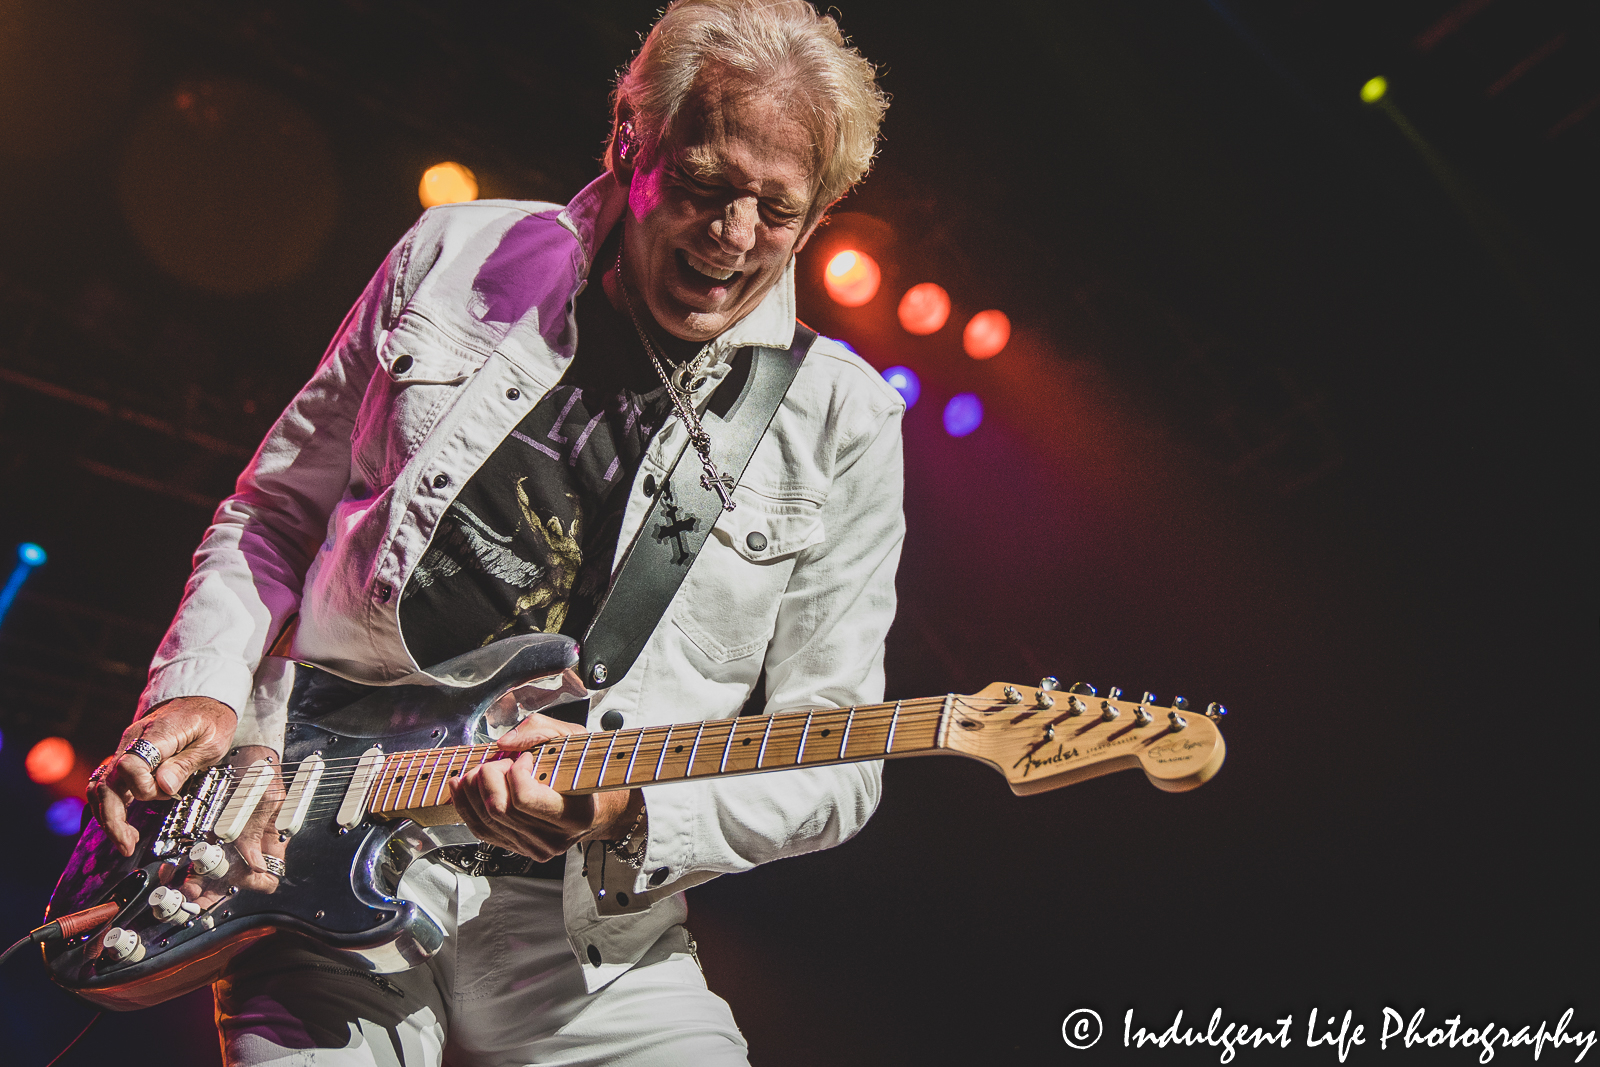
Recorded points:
419,375
729,603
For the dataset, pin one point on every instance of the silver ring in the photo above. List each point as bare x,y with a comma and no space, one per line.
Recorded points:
145,751
274,865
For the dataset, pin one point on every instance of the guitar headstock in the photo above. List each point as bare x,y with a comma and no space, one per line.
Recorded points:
1041,737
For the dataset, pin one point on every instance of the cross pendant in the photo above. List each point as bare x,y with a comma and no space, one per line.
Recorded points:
716,483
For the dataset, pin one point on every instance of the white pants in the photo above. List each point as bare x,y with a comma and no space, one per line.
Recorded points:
504,991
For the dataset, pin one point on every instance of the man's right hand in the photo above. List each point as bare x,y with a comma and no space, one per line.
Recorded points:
191,733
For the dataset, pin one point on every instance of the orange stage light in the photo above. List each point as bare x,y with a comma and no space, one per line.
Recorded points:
924,309
986,334
447,183
852,278
50,760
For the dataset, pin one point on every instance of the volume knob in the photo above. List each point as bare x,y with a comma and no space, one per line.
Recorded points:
119,945
165,903
208,859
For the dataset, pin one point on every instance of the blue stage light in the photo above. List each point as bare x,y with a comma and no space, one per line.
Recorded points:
29,556
905,382
65,816
962,415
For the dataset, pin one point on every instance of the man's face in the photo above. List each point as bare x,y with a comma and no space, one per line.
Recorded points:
716,215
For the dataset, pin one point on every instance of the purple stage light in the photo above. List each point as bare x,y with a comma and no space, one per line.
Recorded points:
905,382
65,816
962,415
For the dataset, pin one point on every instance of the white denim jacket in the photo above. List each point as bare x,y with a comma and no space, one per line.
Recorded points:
467,325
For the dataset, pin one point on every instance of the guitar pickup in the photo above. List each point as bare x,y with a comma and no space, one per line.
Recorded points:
292,816
244,801
354,806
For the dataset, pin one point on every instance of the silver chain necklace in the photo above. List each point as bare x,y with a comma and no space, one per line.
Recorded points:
710,480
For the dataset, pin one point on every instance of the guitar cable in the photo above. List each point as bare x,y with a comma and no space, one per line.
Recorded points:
55,930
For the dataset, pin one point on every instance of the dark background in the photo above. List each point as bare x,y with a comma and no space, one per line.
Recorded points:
1294,416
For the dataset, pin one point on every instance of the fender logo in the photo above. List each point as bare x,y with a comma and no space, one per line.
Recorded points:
1059,756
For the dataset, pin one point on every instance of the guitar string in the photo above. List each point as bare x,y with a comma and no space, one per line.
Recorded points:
424,765
348,764
427,763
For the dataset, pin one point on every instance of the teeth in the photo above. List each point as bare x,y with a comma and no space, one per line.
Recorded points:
700,266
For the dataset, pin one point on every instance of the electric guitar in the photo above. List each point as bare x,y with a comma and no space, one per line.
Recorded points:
366,791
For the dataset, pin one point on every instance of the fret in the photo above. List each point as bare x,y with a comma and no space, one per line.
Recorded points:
627,775
944,721
894,719
688,768
605,761
805,732
845,739
762,754
578,767
665,741
555,768
727,747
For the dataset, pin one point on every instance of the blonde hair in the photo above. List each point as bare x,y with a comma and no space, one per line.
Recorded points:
783,43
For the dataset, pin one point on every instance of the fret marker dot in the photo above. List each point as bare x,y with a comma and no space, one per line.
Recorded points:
678,749
620,755
542,777
825,733
746,741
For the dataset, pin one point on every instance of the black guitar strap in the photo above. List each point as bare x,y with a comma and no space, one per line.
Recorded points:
683,511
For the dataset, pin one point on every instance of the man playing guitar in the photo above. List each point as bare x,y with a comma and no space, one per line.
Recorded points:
472,459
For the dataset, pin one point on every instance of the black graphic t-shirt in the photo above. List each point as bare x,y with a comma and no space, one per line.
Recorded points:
527,545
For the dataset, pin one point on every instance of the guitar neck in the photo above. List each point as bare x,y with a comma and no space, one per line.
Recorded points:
408,783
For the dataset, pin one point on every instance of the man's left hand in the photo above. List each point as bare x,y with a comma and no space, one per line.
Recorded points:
503,805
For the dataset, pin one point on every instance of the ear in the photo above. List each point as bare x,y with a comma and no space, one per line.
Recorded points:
622,169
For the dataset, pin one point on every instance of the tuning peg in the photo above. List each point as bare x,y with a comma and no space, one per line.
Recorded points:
1076,706
1049,681
1043,700
1108,710
1181,703
1178,721
1215,711
1010,695
1114,693
1142,715
1083,689
1149,698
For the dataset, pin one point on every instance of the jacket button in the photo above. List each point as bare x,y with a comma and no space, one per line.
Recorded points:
402,364
622,900
658,876
611,720
649,485
757,540
594,955
513,394
385,591
441,480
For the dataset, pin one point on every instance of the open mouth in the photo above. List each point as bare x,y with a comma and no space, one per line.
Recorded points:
703,274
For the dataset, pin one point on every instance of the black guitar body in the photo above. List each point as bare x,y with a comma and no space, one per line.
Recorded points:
340,882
